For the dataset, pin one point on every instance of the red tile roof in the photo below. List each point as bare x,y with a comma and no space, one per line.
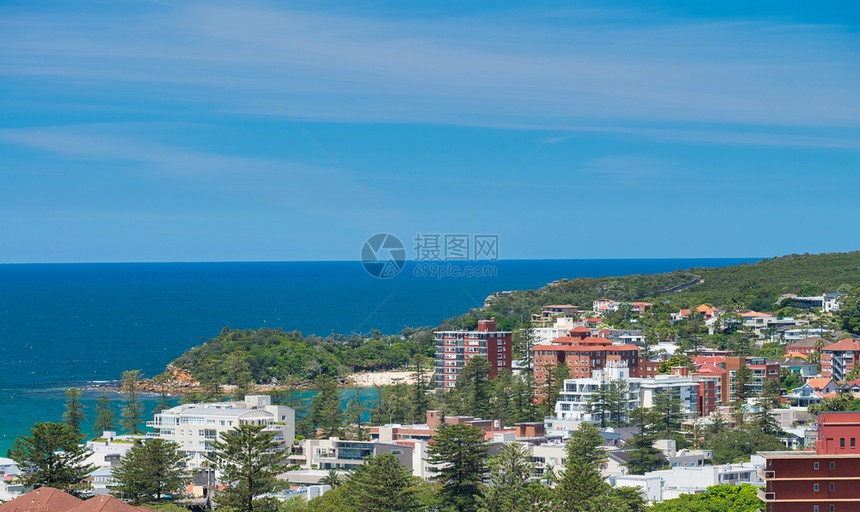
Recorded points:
106,504
847,344
819,383
581,328
43,499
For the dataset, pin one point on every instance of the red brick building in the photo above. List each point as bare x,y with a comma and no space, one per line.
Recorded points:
826,480
582,354
455,348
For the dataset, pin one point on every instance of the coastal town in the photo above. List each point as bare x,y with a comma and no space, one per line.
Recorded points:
672,418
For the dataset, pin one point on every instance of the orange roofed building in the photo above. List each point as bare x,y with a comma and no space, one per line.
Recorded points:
48,499
583,353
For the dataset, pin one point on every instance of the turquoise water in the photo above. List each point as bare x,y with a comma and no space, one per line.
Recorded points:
65,325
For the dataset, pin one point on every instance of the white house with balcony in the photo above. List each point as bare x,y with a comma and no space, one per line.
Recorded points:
195,426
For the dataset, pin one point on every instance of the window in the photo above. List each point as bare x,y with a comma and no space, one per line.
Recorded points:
815,487
852,442
832,465
832,508
842,442
815,466
832,486
815,508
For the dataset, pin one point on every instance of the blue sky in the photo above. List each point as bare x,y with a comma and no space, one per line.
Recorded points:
220,131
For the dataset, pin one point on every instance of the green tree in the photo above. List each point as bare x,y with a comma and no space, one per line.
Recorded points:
598,404
132,412
332,478
51,456
743,379
763,418
162,380
382,484
848,317
718,498
618,404
245,460
643,456
150,470
471,394
581,481
667,412
460,450
554,386
325,407
104,415
511,488
736,445
354,410
420,401
74,414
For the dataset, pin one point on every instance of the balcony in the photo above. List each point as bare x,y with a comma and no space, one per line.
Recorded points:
764,495
765,474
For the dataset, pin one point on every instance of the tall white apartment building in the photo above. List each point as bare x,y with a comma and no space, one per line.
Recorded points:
195,426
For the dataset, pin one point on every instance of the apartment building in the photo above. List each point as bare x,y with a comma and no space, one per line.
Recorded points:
455,348
827,480
838,359
195,426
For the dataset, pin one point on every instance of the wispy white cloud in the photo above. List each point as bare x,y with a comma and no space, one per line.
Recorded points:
518,68
317,190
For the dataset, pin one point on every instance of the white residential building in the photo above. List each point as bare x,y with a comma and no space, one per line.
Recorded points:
107,450
679,387
573,402
557,330
195,426
688,480
573,405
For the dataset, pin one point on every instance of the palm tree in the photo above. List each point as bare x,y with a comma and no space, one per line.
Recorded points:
332,479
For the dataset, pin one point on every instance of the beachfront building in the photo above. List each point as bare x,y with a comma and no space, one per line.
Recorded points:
194,427
455,348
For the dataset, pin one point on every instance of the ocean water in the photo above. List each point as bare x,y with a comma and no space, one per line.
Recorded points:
64,325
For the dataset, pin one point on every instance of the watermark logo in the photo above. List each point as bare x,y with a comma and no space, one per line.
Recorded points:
436,255
383,255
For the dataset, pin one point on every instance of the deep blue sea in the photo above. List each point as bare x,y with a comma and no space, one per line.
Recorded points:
65,325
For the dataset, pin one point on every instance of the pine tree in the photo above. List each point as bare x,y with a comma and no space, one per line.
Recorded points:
618,404
104,415
245,459
162,379
354,409
554,386
74,414
132,413
471,394
419,387
325,407
382,484
598,404
743,378
667,411
581,480
510,488
51,456
150,469
460,449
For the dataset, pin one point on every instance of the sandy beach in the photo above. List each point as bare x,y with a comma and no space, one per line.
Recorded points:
381,378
